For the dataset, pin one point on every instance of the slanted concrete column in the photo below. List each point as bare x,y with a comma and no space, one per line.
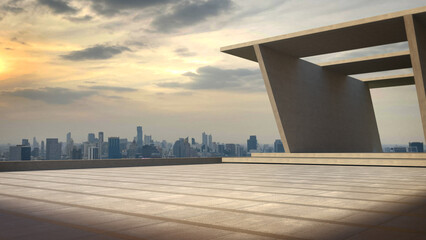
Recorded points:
416,36
317,110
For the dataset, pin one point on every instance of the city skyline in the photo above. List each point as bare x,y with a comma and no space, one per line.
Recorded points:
86,68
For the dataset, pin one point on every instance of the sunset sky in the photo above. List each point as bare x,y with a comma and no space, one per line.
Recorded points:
85,66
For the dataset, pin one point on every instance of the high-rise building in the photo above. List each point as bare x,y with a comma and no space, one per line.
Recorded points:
204,139
148,140
278,146
42,150
101,137
139,141
69,146
35,143
210,142
93,153
25,142
91,138
68,137
76,153
53,149
416,145
181,148
19,152
100,143
114,148
14,153
252,143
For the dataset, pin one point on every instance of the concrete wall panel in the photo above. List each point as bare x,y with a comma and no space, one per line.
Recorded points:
318,110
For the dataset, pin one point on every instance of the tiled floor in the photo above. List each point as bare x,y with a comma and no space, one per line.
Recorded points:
215,201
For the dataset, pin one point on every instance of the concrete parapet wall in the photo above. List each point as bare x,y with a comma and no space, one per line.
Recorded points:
102,163
350,159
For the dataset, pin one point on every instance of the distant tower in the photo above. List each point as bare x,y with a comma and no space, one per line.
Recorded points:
252,143
68,137
25,142
204,139
35,143
91,138
53,149
93,153
101,137
101,142
418,146
278,146
114,148
139,140
42,152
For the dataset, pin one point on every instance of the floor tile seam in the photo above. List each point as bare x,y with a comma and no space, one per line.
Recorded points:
248,191
210,208
252,180
246,185
71,225
289,173
165,219
261,201
299,174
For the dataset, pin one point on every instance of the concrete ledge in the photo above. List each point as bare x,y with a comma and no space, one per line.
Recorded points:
103,163
350,159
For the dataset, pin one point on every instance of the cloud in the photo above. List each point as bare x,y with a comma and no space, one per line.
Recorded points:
210,78
12,9
15,39
58,6
50,95
111,88
85,18
98,52
112,7
184,52
190,13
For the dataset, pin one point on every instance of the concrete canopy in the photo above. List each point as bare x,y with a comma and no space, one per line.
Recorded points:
319,107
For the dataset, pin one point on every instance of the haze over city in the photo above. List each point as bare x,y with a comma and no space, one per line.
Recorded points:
86,66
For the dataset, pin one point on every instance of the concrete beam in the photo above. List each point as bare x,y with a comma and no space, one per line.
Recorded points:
416,35
389,81
317,110
100,163
376,63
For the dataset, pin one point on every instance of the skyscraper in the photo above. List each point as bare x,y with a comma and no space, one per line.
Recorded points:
93,153
68,137
25,142
278,146
101,137
204,139
252,143
91,138
114,148
100,143
53,149
148,139
416,145
42,150
139,141
181,148
35,143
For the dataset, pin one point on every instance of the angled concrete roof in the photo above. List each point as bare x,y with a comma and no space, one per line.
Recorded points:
367,32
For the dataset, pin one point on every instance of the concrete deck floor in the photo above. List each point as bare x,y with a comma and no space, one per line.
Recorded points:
215,201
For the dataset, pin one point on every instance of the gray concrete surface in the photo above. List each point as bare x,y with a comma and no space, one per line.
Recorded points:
100,163
215,201
317,110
